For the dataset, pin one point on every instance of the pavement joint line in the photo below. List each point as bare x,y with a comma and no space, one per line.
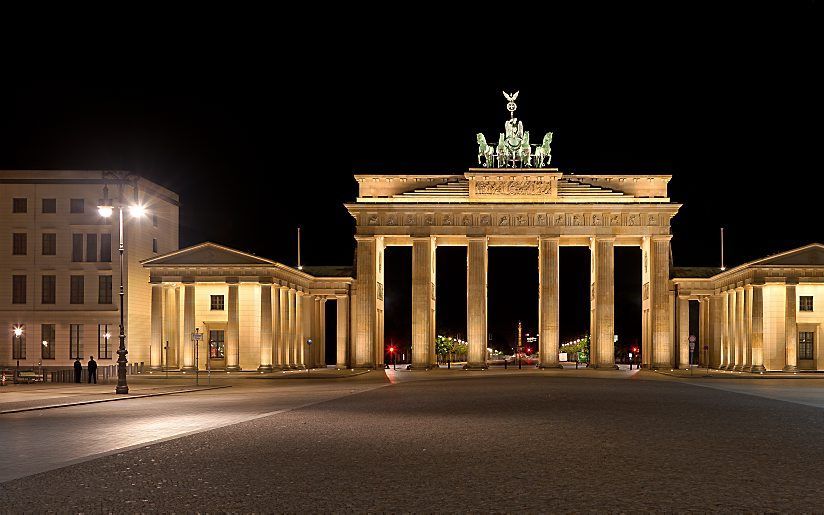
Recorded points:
754,394
128,448
96,401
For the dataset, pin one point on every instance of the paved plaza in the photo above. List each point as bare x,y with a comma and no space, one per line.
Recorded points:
445,440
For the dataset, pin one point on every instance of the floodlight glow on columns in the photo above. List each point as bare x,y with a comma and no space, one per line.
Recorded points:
137,210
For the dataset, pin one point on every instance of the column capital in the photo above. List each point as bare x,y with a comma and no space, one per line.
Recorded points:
553,237
266,280
233,281
660,237
189,281
477,238
791,281
341,296
360,237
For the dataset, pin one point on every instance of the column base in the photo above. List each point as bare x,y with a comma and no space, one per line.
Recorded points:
188,369
662,366
550,365
233,368
421,367
757,369
790,368
265,368
475,366
604,367
737,368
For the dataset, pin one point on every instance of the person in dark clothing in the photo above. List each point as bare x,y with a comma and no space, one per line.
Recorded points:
78,370
92,370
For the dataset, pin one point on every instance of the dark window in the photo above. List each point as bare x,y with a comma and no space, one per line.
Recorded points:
91,247
805,303
77,247
104,351
47,341
18,289
18,343
48,295
154,245
154,220
75,345
105,247
77,286
805,345
49,244
18,246
104,295
19,205
217,302
49,205
77,205
217,349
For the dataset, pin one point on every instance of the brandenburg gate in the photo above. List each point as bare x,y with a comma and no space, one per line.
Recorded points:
512,199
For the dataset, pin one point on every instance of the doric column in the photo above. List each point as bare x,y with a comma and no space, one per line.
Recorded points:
188,326
291,354
283,327
322,335
233,328
716,331
423,301
367,301
277,364
476,302
757,335
683,332
663,353
157,327
342,359
266,328
746,333
317,340
725,330
169,322
548,301
739,328
300,314
791,328
602,301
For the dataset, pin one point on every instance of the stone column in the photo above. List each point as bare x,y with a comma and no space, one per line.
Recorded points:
283,327
233,329
342,359
291,354
663,353
476,302
366,307
188,327
757,336
602,300
322,337
317,339
277,364
266,328
746,333
791,328
297,341
739,328
423,300
725,334
157,327
716,331
548,301
683,332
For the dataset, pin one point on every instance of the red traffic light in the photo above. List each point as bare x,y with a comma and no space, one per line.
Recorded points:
391,349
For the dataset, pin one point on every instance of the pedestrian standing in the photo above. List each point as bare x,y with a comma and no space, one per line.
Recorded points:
78,370
92,370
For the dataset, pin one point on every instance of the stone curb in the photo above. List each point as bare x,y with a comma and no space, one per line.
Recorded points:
95,401
745,375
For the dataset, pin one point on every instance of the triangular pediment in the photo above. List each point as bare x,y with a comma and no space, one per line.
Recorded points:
207,254
812,254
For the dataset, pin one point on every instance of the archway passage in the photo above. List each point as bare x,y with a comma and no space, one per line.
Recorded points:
398,304
512,298
628,305
450,320
574,264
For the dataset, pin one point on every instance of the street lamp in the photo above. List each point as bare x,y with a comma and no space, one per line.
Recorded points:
106,209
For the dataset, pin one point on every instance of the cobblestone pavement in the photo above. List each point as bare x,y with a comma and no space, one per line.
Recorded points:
520,442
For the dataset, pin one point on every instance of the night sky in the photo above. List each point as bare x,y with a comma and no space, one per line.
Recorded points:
261,126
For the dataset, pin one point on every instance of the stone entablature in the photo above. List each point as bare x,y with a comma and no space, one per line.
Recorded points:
523,219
